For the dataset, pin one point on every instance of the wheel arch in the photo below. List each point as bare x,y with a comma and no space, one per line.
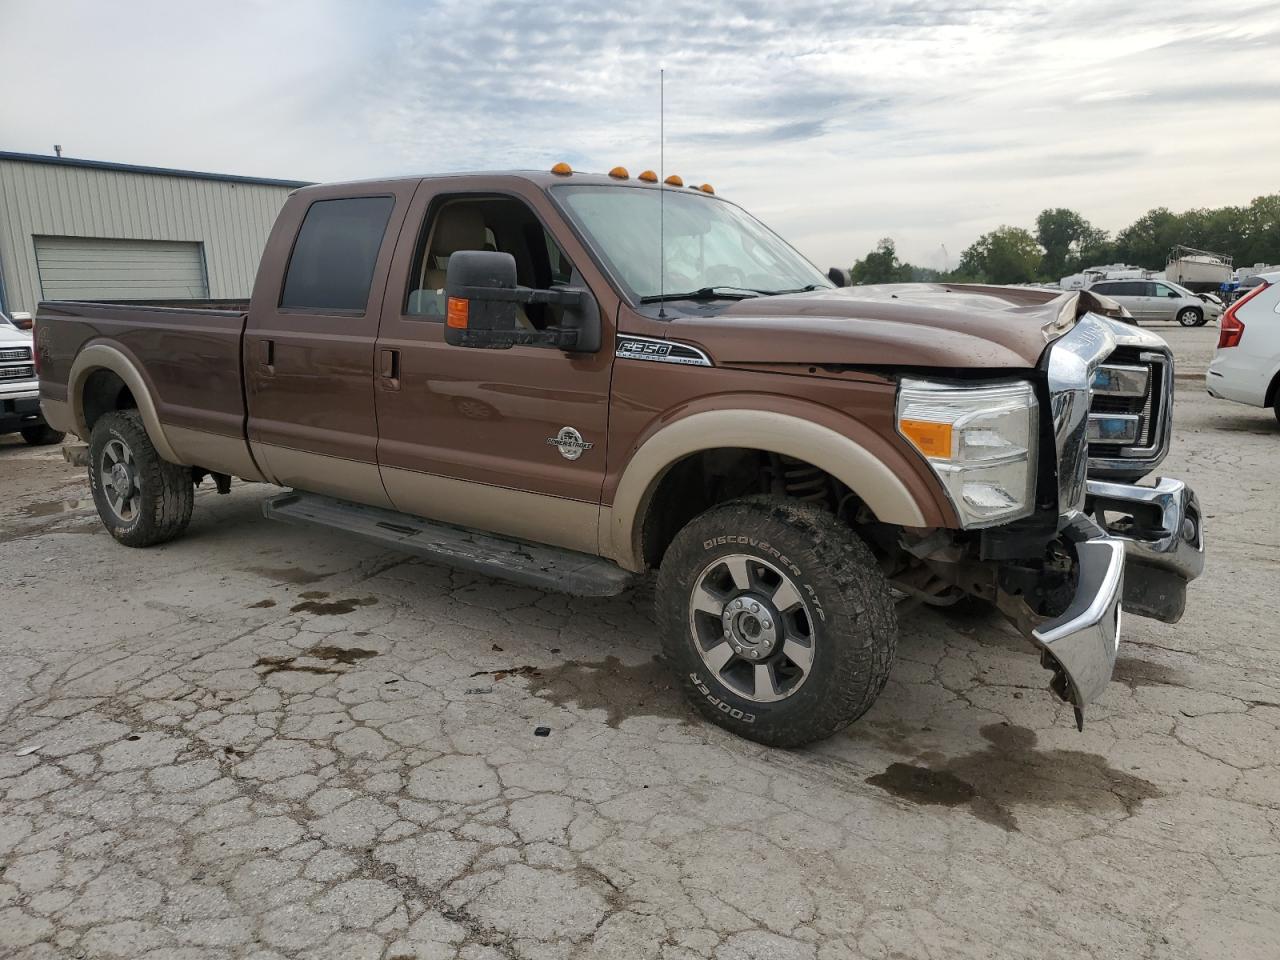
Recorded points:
865,473
98,357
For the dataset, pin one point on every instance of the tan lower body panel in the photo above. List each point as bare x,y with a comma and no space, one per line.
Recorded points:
314,473
213,451
572,524
58,415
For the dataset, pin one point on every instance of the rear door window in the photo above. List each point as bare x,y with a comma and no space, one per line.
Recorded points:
333,258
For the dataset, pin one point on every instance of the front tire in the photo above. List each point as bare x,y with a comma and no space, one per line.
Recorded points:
1191,316
777,619
41,435
142,499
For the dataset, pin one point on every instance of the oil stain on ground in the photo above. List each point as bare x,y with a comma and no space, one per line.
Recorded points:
328,608
622,690
346,655
1010,772
294,575
1144,673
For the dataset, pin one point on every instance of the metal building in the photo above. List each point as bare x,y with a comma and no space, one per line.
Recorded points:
87,230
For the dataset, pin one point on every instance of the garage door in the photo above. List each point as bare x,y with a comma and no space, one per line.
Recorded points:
85,268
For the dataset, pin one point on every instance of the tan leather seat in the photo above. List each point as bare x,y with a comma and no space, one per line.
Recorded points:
460,226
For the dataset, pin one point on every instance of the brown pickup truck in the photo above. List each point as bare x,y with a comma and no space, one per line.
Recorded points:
570,380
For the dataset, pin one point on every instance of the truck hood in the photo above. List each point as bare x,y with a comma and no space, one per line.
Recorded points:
911,324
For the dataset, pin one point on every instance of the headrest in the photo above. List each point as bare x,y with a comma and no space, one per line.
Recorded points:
460,227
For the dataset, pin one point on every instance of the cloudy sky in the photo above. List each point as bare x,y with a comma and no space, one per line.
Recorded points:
836,122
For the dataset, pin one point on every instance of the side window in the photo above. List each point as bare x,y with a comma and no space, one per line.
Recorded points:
1106,289
1163,291
333,258
497,223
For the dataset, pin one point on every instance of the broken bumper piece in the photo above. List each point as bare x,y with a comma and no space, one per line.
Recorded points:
1138,553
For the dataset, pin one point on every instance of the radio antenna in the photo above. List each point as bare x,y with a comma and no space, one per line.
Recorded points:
662,192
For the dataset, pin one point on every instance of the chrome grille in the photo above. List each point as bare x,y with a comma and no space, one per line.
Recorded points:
1128,409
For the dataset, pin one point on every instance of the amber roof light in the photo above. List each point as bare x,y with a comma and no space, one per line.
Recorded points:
674,181
619,173
707,188
648,176
562,169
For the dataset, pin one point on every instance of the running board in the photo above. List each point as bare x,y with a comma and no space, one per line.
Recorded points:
534,565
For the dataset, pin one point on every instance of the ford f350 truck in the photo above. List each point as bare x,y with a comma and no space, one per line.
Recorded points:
571,380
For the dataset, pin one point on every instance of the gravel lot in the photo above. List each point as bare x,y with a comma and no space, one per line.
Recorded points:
261,741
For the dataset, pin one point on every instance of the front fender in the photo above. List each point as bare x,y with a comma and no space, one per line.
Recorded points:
883,478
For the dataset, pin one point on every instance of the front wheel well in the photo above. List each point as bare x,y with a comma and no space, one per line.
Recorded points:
104,391
703,479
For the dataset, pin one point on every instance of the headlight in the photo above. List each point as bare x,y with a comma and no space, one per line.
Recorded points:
980,441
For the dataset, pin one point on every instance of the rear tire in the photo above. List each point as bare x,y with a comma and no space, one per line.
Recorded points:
779,586
142,499
1191,317
41,435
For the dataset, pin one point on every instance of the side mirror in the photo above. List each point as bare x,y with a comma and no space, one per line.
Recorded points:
481,295
839,277
480,299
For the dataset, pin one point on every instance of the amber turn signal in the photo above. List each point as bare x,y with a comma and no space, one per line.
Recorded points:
619,173
562,169
648,176
674,181
931,439
456,315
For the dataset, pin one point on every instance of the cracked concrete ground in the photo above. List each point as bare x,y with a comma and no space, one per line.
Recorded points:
262,741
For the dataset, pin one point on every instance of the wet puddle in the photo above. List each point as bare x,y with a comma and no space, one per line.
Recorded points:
294,575
50,508
1009,772
344,655
645,690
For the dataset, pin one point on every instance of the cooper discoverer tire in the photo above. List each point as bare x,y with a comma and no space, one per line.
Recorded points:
777,619
142,499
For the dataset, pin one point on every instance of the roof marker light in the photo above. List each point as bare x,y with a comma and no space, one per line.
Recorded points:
648,176
707,188
619,173
562,169
674,181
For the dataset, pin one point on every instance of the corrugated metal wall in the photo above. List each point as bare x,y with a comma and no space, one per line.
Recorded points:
230,219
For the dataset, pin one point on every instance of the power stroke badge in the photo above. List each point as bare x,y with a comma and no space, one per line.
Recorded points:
570,443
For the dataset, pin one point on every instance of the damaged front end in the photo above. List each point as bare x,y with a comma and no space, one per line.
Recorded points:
1117,546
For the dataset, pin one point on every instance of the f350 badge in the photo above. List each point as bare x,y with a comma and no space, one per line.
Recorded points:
570,443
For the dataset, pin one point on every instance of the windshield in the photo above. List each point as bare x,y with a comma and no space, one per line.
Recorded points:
709,244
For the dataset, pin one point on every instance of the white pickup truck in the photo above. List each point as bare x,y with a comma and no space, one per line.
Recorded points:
20,388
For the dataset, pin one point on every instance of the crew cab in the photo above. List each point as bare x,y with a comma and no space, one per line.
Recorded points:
572,380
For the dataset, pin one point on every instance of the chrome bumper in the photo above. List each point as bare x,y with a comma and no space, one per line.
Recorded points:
1139,551
1162,530
1081,644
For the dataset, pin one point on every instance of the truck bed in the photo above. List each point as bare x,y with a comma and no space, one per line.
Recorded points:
189,357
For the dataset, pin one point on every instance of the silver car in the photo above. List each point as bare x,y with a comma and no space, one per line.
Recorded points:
1160,300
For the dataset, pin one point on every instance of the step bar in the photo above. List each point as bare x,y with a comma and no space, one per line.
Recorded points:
530,564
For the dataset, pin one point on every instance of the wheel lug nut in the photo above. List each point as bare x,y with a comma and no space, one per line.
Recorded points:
755,608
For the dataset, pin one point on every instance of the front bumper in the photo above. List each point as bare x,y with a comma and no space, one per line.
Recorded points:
1138,553
16,413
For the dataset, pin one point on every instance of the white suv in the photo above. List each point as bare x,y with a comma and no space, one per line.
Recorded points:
19,388
1246,365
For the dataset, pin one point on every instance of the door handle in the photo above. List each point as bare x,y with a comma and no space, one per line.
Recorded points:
268,353
389,367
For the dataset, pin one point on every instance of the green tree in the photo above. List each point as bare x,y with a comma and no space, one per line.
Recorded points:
1005,255
1069,241
881,265
1147,241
